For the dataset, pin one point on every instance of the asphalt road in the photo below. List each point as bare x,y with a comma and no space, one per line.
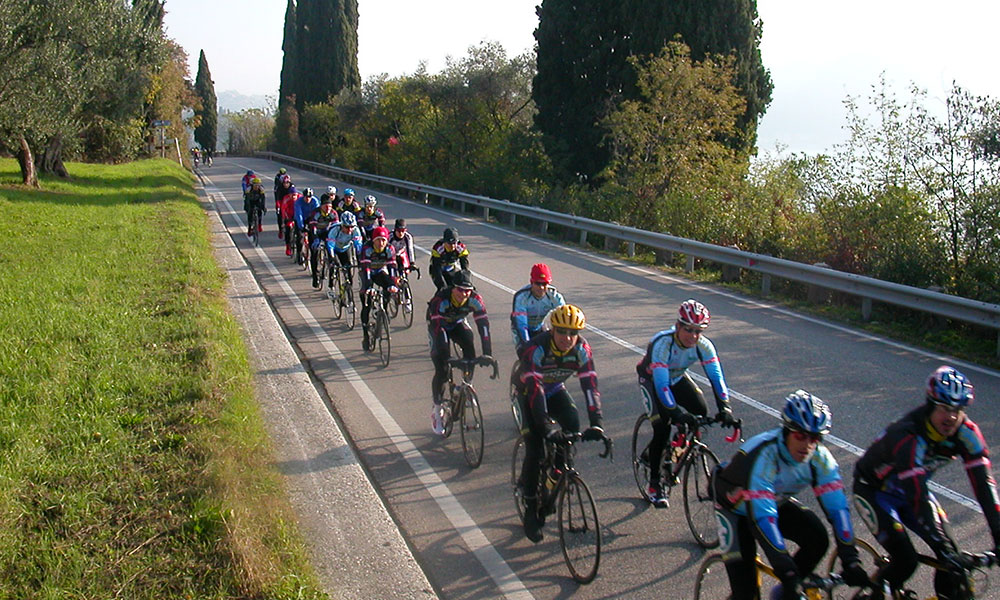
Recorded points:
460,522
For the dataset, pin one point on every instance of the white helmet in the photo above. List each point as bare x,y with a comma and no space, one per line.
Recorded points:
370,201
331,190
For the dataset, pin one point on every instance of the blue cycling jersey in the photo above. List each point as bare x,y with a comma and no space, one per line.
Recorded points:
304,209
527,312
341,241
666,361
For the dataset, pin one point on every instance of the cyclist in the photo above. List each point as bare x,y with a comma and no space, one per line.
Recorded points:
287,210
448,256
245,182
331,193
342,242
303,210
754,503
323,223
547,360
285,188
669,394
350,204
446,322
254,199
402,242
377,266
371,216
277,183
891,479
531,303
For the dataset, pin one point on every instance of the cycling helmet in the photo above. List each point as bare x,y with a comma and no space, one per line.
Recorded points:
348,192
540,272
400,225
567,316
331,190
250,173
380,232
282,171
450,235
807,413
328,201
285,179
308,193
462,279
692,312
948,387
370,201
255,181
348,219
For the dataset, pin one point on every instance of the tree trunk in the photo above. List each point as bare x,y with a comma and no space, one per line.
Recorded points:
29,176
52,158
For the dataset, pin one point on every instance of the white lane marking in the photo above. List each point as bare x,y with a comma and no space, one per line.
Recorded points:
499,571
841,443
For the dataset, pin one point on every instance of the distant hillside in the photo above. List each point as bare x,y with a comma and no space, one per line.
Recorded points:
233,101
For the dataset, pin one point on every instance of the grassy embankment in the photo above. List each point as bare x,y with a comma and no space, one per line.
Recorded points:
133,460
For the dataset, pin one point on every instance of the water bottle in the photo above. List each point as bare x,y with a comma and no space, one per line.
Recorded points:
551,479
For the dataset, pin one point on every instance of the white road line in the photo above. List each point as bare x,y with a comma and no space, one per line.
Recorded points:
499,571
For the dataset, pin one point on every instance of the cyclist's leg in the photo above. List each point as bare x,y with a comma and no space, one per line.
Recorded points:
739,553
661,430
440,353
938,536
689,396
880,514
533,450
563,410
802,526
344,260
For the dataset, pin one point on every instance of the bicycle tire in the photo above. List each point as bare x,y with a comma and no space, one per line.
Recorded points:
392,306
871,559
407,306
252,227
473,432
321,267
517,462
303,253
350,307
642,434
336,292
451,406
712,582
515,401
579,528
699,505
382,335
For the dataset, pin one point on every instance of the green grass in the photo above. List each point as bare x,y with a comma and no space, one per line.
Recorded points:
133,460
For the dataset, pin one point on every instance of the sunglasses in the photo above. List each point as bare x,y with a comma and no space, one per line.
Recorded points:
540,283
564,331
692,330
801,436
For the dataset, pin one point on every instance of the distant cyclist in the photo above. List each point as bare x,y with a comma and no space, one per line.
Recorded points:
304,208
402,242
285,188
755,503
448,256
371,216
531,303
330,193
254,199
277,183
668,392
323,223
350,204
891,480
245,182
345,243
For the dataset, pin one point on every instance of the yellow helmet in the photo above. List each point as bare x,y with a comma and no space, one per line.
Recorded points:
568,316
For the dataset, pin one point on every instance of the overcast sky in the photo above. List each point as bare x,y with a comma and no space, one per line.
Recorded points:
817,52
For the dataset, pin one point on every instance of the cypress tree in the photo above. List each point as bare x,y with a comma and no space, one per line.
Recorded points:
206,132
286,124
327,55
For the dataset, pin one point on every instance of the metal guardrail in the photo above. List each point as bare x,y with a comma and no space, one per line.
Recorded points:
867,289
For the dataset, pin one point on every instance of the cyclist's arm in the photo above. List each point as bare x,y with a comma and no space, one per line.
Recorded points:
713,370
463,258
910,481
531,379
661,377
410,256
829,489
519,317
976,456
364,265
762,513
482,322
588,383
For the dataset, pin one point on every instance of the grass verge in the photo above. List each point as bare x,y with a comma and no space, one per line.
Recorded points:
133,460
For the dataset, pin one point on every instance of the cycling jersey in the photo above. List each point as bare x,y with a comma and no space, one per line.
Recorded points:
304,209
527,312
340,241
371,261
286,205
666,362
404,248
443,315
903,458
353,207
543,371
253,199
371,221
245,181
763,475
444,261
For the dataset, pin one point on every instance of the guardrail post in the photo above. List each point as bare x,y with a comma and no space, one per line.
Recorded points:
816,294
545,227
731,273
513,221
486,214
610,244
765,285
689,265
427,198
866,309
583,238
663,257
630,249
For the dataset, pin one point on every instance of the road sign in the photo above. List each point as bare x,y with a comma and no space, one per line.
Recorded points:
161,123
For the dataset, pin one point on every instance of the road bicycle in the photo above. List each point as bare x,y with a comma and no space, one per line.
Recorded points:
712,582
461,405
562,490
686,460
972,575
401,301
254,226
341,294
378,324
302,248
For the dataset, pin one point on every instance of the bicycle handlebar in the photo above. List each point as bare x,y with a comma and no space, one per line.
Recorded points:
482,361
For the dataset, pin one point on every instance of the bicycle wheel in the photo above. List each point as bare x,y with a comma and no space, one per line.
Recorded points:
336,292
252,226
699,505
450,408
642,434
407,304
515,401
304,252
473,434
579,528
712,582
382,335
321,267
871,560
392,306
517,461
350,306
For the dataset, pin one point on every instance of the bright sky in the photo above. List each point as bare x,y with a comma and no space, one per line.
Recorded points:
817,52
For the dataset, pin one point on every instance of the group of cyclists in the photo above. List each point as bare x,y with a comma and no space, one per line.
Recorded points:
754,492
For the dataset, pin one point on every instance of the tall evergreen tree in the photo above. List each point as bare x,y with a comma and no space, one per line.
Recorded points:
286,124
326,56
206,132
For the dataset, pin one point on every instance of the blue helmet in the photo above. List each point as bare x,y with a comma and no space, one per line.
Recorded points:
807,413
251,173
949,387
348,191
348,219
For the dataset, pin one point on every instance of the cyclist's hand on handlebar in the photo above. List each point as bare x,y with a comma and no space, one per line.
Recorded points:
593,434
855,576
686,419
726,418
557,435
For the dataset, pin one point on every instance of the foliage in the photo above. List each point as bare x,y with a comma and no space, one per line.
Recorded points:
326,50
248,130
206,133
171,93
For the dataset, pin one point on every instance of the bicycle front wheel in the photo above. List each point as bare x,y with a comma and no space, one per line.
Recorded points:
321,267
642,435
579,528
350,306
473,435
515,401
382,335
712,582
871,561
407,304
699,504
516,462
